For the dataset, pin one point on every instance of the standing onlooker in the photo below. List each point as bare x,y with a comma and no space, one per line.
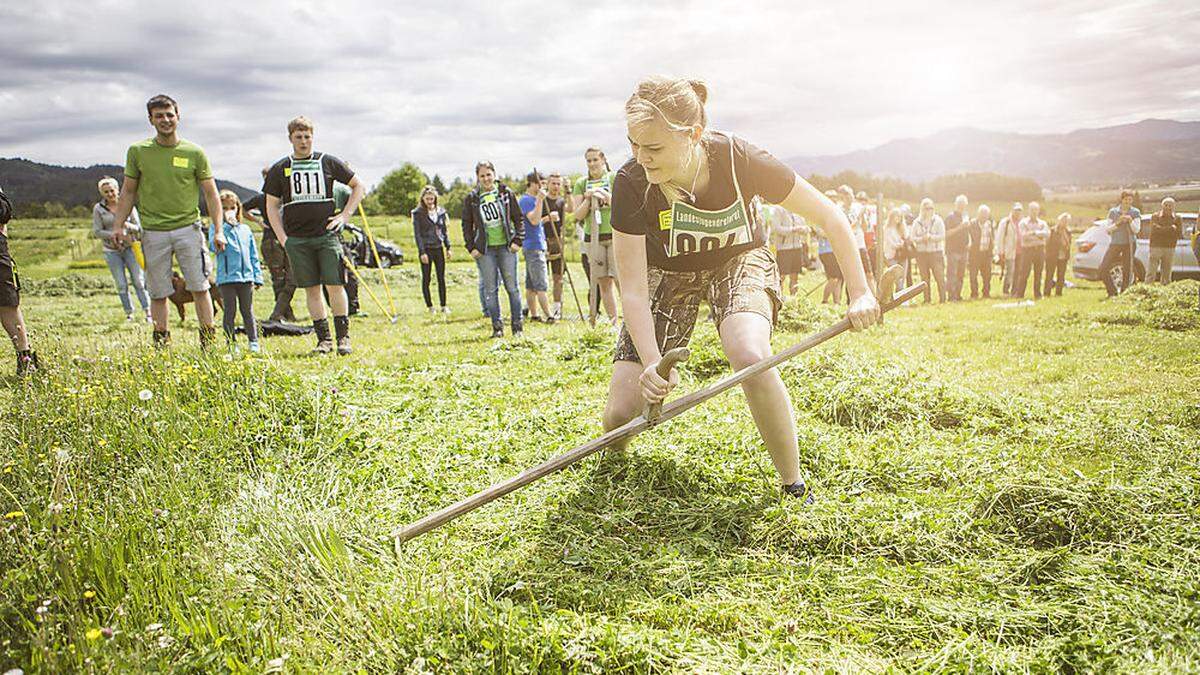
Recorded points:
10,297
593,209
238,271
856,212
1058,250
163,178
555,250
493,231
1124,223
787,234
283,284
894,239
302,210
870,217
928,233
980,239
957,247
1166,227
829,263
1031,254
533,210
433,244
118,254
1006,245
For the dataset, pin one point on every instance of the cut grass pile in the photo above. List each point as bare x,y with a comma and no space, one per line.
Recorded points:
998,489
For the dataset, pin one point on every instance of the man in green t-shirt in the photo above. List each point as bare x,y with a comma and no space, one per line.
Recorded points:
164,176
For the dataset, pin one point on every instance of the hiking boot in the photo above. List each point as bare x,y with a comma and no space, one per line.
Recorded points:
162,339
324,346
27,363
208,336
800,491
497,332
343,346
518,334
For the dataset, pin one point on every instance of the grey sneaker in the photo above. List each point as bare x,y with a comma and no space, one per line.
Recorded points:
324,346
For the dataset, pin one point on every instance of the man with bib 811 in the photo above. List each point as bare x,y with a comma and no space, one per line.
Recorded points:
684,230
302,212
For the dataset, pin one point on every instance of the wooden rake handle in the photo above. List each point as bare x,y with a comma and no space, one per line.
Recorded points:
664,367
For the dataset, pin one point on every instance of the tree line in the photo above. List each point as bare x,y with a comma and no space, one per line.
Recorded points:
978,186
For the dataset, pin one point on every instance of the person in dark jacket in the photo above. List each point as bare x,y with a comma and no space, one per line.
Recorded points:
493,233
981,238
433,244
1166,227
10,296
1058,251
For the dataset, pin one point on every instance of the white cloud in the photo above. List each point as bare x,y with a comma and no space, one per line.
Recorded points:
533,83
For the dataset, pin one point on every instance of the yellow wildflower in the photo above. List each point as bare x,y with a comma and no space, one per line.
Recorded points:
93,634
13,515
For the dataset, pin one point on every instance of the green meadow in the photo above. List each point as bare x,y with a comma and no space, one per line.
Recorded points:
999,488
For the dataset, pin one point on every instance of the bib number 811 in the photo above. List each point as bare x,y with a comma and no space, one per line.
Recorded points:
687,243
307,184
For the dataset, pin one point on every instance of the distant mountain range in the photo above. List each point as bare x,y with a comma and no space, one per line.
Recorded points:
1150,150
28,182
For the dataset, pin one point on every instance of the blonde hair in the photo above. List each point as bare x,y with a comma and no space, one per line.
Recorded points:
1064,216
678,103
236,200
107,179
300,123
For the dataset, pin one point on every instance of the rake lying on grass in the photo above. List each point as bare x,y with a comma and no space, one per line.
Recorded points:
654,414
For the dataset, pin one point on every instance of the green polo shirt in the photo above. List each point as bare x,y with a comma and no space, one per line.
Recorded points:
168,182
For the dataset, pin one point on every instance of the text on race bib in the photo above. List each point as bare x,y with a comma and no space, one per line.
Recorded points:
694,230
489,206
307,181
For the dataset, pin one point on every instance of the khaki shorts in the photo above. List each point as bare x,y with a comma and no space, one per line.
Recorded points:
600,259
190,249
746,283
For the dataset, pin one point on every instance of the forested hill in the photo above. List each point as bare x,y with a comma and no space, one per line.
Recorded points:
27,182
1150,150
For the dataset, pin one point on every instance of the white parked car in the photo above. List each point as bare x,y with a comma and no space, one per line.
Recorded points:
1091,246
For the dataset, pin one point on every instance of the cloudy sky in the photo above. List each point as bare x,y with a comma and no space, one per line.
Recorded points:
444,84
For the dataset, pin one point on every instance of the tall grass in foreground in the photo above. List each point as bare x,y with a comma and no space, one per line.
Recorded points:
194,513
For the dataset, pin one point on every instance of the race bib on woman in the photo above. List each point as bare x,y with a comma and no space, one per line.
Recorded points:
694,230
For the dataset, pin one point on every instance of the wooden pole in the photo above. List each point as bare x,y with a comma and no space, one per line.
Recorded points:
637,425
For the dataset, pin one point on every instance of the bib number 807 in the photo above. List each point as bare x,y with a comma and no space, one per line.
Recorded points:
687,243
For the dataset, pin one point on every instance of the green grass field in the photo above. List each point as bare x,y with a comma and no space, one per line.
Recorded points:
999,488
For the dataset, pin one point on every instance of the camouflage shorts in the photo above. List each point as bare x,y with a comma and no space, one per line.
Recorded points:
746,283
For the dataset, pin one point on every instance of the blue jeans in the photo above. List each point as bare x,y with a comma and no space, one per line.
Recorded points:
118,263
498,262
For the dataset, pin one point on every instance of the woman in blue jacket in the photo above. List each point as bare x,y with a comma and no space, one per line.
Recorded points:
433,244
238,270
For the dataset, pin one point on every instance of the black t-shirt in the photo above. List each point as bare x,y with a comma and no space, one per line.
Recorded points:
305,186
554,230
638,207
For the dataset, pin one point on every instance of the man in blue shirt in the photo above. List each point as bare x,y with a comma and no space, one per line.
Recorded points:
535,213
1124,223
